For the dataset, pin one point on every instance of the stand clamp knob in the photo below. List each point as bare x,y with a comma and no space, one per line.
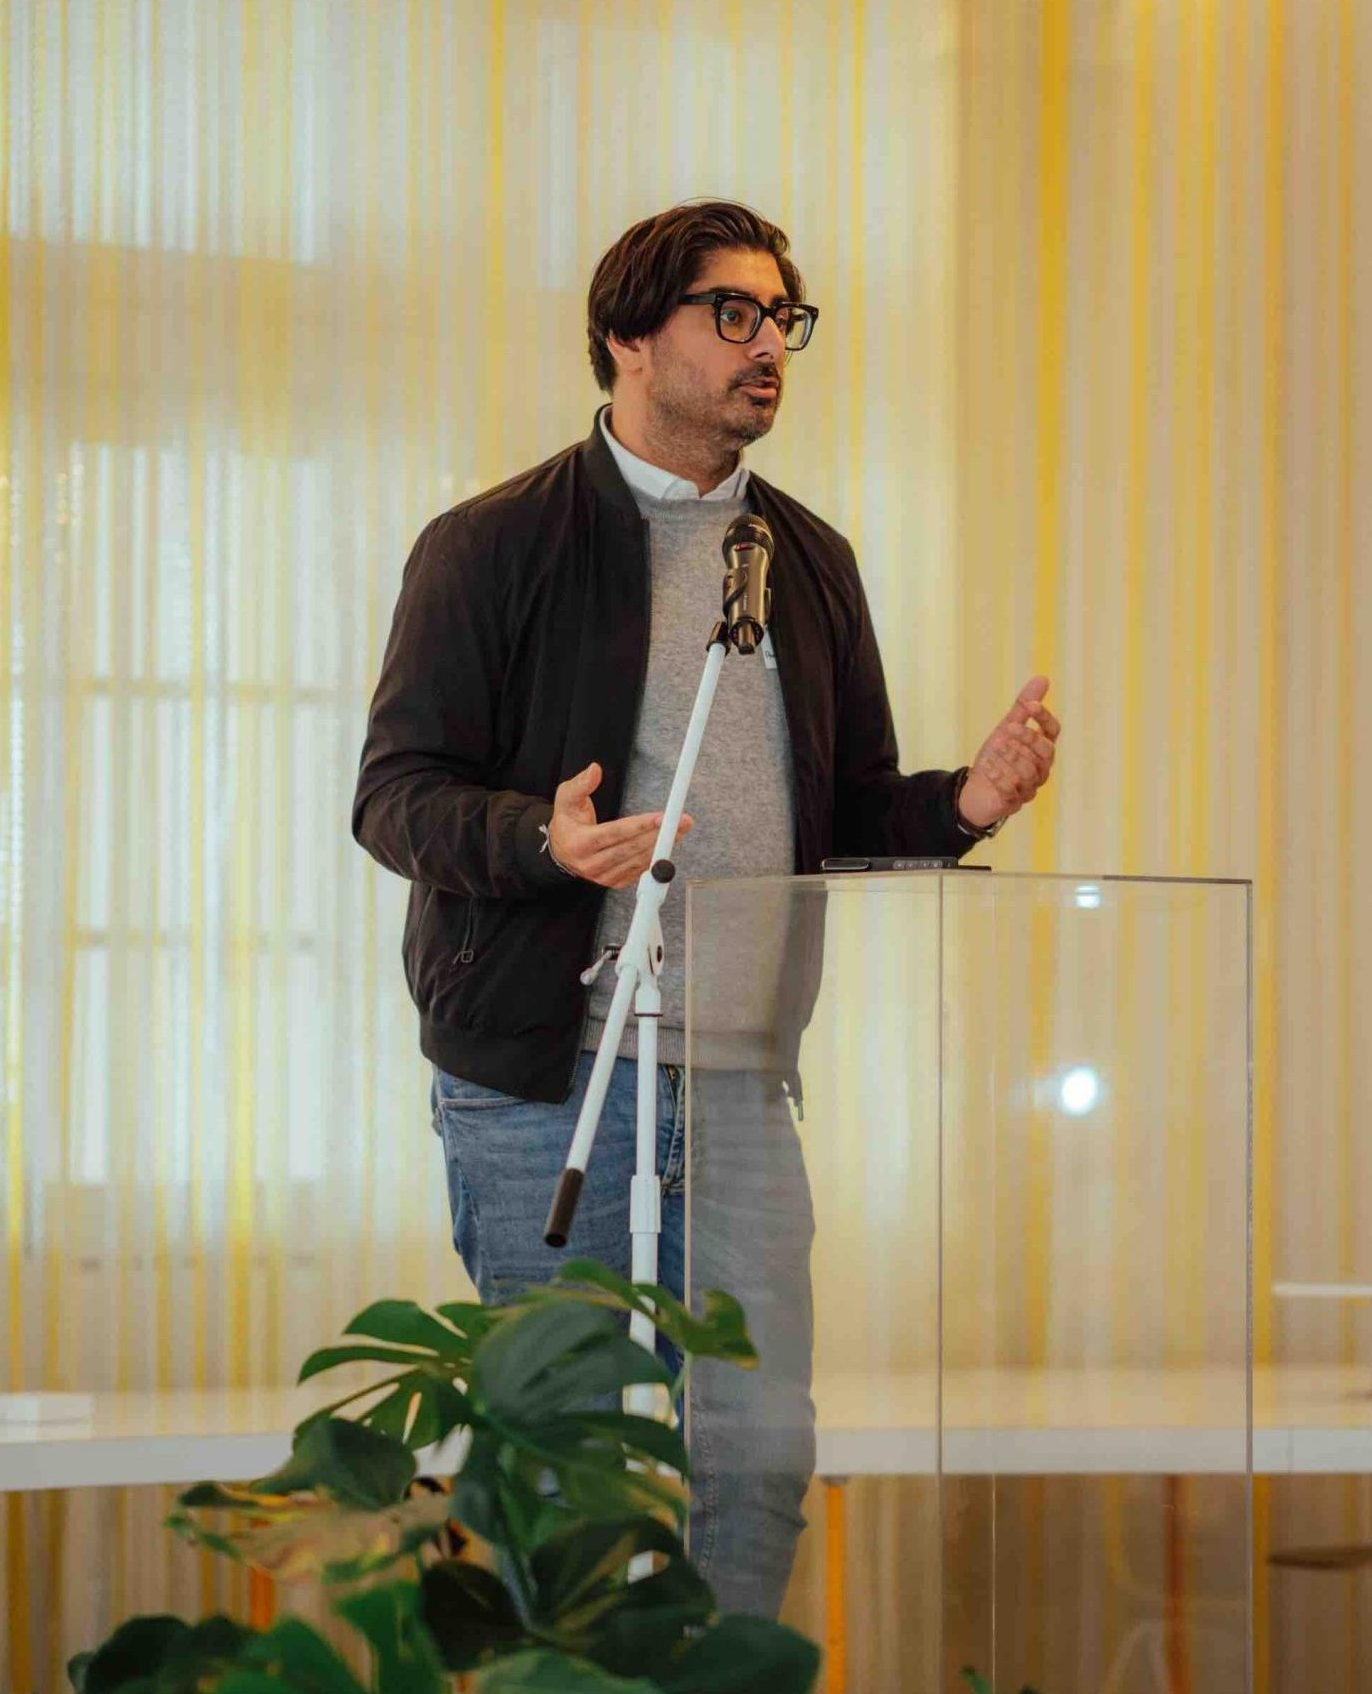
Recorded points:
591,972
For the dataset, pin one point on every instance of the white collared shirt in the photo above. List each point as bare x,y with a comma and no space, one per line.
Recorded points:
662,485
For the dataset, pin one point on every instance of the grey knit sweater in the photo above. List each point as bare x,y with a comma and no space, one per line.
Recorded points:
740,798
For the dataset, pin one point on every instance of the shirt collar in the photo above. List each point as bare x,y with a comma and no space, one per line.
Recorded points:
652,480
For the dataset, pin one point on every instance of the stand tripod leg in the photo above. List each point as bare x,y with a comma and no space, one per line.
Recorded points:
568,1191
645,1193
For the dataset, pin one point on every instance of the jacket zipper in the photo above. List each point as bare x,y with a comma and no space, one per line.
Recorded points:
645,530
465,955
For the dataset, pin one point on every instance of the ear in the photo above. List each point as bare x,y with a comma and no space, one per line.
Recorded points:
629,356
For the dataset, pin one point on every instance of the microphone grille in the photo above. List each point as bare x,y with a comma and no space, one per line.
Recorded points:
749,531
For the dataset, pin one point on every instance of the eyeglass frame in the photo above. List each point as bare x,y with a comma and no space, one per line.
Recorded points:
717,296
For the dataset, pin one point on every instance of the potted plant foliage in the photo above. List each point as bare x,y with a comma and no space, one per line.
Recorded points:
563,1490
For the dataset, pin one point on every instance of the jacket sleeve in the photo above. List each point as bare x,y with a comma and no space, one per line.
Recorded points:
422,807
877,811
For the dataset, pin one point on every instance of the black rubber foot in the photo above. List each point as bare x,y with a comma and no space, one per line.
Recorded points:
563,1209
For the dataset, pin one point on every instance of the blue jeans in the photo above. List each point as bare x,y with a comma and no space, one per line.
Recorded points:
751,1432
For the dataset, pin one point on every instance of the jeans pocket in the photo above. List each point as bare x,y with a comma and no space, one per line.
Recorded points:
463,1095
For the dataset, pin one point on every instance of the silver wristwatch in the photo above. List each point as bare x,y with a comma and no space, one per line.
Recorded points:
967,828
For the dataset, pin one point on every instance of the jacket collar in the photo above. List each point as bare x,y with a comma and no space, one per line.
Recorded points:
604,474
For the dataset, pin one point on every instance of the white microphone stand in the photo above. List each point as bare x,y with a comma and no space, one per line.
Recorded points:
638,965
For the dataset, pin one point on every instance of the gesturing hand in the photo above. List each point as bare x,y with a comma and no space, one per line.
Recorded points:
1014,761
613,854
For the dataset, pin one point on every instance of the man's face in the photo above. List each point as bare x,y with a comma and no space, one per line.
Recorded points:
698,383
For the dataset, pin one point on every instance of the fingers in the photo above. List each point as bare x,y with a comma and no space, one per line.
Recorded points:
609,859
575,793
1018,756
572,800
620,866
600,844
613,854
993,765
620,871
589,852
1038,746
1013,767
1028,701
620,832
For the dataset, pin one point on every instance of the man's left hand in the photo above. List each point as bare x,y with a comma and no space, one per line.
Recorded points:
1014,762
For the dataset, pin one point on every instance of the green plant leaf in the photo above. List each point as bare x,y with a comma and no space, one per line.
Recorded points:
351,1463
358,1352
626,1639
720,1333
576,1274
162,1652
391,1414
595,1372
136,1650
624,1626
529,1512
624,1433
423,1403
302,1657
743,1655
585,1602
593,1480
575,1452
512,1369
599,1491
442,1408
544,1672
573,1379
469,1613
475,1499
499,1495
409,1325
407,1660
469,1318
231,1496
581,1557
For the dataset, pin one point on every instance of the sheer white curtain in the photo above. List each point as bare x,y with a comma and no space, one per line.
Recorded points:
280,279
282,282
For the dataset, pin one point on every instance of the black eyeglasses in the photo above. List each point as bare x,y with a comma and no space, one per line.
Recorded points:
738,317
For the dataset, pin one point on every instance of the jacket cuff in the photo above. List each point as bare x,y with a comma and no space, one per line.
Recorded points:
532,854
962,837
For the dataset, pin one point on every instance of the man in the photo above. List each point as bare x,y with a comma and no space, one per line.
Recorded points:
546,647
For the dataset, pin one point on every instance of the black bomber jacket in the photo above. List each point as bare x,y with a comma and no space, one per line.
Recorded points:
516,656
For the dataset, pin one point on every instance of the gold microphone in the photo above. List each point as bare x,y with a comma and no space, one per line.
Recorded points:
748,548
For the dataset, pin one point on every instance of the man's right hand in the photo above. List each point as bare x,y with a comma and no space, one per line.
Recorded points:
613,854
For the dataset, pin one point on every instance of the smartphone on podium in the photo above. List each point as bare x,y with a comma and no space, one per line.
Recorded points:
879,864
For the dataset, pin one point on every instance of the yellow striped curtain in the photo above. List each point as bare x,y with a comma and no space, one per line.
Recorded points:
280,279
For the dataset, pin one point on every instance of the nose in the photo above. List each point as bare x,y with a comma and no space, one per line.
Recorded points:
770,340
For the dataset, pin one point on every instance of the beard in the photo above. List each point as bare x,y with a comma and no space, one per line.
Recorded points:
683,407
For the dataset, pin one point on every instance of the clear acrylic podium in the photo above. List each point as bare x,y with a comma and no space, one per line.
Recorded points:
974,1151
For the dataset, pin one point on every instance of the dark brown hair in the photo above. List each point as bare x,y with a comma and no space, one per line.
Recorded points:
638,282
